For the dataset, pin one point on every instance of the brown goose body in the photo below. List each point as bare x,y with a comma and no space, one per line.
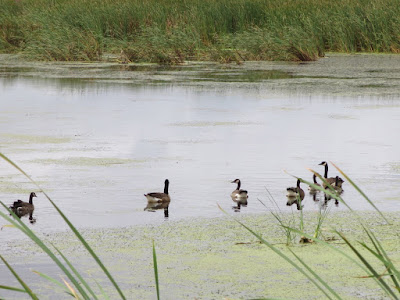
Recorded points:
338,189
295,191
159,197
21,208
239,194
330,180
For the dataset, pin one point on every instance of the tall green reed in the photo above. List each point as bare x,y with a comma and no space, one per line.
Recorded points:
256,29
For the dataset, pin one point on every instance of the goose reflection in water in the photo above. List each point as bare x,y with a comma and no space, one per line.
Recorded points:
154,206
239,203
293,200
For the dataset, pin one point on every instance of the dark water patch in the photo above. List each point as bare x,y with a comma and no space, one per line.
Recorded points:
243,76
373,85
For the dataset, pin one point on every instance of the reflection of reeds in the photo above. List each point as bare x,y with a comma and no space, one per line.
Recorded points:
173,31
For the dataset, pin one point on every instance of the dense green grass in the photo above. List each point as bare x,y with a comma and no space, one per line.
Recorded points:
170,31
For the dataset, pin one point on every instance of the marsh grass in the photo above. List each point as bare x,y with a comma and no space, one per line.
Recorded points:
173,31
285,221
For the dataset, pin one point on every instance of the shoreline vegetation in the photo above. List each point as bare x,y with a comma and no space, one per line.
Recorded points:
171,32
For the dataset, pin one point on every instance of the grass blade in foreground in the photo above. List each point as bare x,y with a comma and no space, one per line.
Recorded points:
75,271
366,270
72,227
55,281
156,271
368,265
11,288
27,289
315,275
360,191
25,229
285,258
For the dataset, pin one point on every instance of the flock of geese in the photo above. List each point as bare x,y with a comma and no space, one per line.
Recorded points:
294,193
162,200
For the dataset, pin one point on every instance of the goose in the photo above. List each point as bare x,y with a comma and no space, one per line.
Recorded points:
313,190
336,186
330,180
21,208
238,193
293,193
159,197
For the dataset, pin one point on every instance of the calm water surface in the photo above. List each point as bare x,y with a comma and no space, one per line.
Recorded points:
99,136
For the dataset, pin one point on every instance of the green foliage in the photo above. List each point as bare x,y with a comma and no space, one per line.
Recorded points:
171,31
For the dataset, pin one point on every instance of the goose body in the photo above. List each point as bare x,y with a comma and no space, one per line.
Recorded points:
159,197
312,189
330,180
293,192
239,194
338,189
21,208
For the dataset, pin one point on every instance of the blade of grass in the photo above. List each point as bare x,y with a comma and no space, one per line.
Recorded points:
315,275
18,223
277,251
74,294
24,285
77,274
55,281
340,252
156,271
382,255
11,288
72,227
361,192
368,265
103,293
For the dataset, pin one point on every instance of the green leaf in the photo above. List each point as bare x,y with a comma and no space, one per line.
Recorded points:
156,271
25,286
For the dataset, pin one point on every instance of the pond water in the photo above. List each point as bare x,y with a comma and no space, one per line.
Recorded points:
98,136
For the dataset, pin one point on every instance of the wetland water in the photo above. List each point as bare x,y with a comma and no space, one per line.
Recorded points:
99,136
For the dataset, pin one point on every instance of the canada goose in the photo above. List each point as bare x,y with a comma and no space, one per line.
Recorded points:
294,191
159,197
331,180
238,193
21,208
313,190
336,186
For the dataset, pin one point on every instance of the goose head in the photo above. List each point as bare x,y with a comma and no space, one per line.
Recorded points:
322,163
236,181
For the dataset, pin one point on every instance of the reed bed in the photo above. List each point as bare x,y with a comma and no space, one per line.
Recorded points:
174,31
